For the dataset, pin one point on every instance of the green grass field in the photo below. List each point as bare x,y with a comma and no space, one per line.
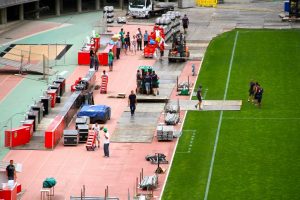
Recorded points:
258,150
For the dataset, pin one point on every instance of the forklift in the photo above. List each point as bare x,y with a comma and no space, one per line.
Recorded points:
179,51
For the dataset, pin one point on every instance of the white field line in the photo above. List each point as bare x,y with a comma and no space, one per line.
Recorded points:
168,171
263,118
191,141
167,176
220,120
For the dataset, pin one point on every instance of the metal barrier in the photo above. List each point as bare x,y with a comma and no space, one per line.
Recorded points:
23,61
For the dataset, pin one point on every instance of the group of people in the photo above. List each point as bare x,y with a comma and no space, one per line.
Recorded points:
147,82
135,43
255,93
132,44
94,61
97,129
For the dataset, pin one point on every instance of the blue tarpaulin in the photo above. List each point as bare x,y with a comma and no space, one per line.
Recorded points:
95,112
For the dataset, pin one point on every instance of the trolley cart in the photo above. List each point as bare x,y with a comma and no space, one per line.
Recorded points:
90,143
104,82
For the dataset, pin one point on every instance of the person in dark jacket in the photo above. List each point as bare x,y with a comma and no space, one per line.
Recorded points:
139,79
147,80
185,23
154,81
11,171
132,102
139,39
127,40
199,97
259,95
92,58
251,91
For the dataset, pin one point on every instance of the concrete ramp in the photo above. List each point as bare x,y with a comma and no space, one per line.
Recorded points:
139,128
222,105
210,105
148,107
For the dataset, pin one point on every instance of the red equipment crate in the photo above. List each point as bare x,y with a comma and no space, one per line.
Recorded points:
54,132
29,123
52,93
83,57
9,193
103,55
18,136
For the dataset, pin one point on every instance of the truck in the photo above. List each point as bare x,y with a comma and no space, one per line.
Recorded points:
148,8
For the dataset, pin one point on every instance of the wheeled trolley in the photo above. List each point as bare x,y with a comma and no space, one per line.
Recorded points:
90,143
104,82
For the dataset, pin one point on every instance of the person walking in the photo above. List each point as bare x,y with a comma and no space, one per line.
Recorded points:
139,79
106,142
154,83
96,128
161,48
125,47
199,97
127,40
146,35
258,95
255,89
251,91
122,37
132,102
110,59
96,60
119,45
92,58
133,42
147,81
11,171
139,38
185,23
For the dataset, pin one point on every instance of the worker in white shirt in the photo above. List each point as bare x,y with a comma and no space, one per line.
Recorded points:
106,143
96,127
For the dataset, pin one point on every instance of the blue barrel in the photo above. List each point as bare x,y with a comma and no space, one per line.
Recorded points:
287,6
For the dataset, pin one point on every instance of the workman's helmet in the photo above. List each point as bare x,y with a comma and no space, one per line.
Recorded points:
105,130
